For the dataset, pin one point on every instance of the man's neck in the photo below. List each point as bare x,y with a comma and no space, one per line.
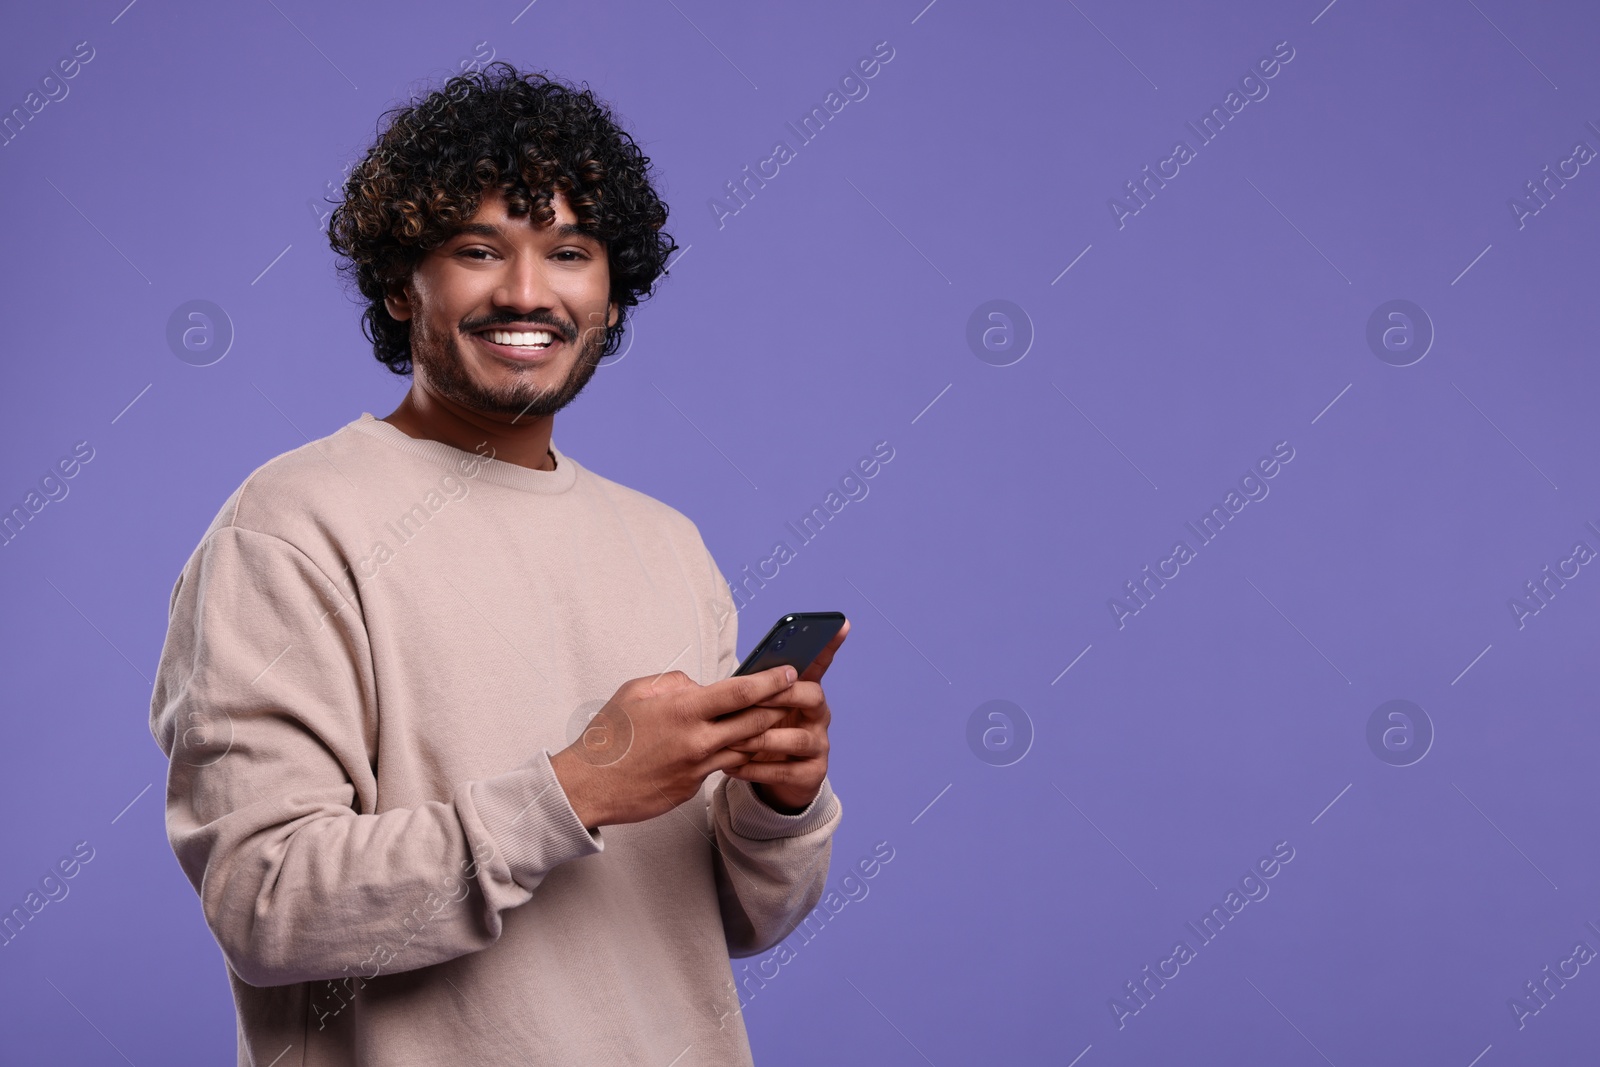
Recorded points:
525,443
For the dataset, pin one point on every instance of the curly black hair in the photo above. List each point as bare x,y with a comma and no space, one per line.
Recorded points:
527,135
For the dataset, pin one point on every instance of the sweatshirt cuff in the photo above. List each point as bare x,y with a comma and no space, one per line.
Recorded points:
531,821
752,817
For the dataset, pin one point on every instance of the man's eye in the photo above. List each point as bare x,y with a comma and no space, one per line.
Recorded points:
474,251
573,253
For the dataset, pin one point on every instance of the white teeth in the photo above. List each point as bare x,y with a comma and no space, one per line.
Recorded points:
521,338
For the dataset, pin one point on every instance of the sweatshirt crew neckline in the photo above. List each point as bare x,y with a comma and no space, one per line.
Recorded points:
473,464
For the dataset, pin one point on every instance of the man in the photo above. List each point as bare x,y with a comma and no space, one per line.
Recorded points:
457,767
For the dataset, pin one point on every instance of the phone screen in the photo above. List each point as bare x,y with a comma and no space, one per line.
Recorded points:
795,639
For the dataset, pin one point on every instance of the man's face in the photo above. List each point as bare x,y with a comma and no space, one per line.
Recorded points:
508,319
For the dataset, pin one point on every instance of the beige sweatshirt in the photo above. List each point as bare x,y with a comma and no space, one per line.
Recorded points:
371,656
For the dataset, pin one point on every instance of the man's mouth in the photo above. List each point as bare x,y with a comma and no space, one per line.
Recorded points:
532,340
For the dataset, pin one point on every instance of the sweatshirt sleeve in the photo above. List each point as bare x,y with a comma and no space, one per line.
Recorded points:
770,867
265,705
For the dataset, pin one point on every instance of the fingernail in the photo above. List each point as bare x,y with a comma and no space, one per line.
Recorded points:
788,674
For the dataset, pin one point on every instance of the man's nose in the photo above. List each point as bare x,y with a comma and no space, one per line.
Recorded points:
524,286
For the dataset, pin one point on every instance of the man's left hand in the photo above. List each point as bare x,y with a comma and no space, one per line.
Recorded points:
789,760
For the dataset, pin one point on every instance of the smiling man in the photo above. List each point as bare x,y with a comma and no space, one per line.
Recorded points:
457,767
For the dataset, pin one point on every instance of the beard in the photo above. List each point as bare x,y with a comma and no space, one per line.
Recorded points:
438,355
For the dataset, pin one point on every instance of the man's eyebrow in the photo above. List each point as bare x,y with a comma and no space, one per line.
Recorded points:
566,231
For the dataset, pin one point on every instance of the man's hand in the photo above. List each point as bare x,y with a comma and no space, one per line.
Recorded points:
652,745
790,758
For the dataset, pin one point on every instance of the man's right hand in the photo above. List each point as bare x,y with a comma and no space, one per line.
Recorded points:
656,740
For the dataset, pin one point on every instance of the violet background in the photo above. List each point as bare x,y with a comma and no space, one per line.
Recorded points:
829,314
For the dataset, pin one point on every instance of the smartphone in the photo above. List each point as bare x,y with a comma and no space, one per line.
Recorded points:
795,640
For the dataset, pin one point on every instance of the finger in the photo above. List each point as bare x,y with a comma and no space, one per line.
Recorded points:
735,693
801,696
786,773
743,725
819,666
787,742
725,760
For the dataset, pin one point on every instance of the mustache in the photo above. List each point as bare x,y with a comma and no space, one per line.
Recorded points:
566,331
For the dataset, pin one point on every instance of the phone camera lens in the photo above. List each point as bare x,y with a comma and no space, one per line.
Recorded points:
777,644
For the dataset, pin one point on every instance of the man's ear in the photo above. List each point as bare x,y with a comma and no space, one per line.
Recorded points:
398,303
611,314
